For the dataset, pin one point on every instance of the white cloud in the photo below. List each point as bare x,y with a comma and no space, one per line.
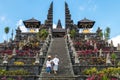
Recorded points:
19,23
115,40
91,30
2,18
81,8
21,26
54,25
89,5
92,7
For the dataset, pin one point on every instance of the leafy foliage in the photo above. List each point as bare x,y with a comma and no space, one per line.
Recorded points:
105,73
107,33
6,30
72,33
113,56
101,34
42,34
14,72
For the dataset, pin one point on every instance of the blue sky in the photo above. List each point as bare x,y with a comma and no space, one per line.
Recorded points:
105,13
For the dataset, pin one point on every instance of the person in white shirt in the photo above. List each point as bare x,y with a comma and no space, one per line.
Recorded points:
56,63
48,65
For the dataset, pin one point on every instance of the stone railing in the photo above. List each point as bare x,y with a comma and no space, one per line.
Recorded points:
72,50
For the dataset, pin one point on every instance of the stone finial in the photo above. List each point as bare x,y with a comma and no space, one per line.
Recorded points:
118,47
112,43
100,53
14,52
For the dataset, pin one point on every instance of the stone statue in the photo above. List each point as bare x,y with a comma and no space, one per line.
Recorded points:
5,59
41,52
37,58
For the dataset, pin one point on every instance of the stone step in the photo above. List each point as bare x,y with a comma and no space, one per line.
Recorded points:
58,47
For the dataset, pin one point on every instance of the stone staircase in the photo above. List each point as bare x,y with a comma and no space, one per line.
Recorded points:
65,72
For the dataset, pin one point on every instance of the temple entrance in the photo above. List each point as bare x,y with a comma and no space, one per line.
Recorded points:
58,34
59,31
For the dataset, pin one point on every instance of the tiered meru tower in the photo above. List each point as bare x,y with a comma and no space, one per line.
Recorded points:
49,21
68,21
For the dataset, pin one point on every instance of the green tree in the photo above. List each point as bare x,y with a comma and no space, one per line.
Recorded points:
113,56
107,33
7,31
101,34
42,34
73,33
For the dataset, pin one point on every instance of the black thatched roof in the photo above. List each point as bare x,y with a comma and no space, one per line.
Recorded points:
85,20
85,23
32,23
32,20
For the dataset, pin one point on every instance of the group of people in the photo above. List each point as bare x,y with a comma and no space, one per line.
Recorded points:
52,64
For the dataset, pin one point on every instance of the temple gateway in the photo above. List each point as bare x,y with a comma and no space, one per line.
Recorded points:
32,25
